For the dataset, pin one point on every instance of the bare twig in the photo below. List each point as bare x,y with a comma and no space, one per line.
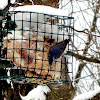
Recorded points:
85,31
82,57
82,64
96,44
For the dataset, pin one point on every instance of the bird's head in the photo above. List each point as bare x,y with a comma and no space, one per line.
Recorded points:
67,41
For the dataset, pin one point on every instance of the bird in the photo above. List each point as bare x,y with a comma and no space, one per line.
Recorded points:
57,50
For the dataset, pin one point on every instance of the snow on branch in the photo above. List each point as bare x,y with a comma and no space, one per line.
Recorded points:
87,95
37,93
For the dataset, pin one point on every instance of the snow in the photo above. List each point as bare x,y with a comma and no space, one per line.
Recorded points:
87,95
9,79
3,3
12,1
41,9
37,93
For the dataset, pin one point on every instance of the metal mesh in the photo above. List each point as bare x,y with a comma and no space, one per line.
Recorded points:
26,38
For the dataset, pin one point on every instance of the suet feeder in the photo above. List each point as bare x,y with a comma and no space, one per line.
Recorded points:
25,42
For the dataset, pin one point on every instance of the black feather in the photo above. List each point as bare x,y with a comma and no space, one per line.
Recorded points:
57,50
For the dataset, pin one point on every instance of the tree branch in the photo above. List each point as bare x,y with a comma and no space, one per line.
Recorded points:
86,31
82,64
81,57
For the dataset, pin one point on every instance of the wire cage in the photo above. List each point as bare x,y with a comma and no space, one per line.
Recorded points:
26,38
